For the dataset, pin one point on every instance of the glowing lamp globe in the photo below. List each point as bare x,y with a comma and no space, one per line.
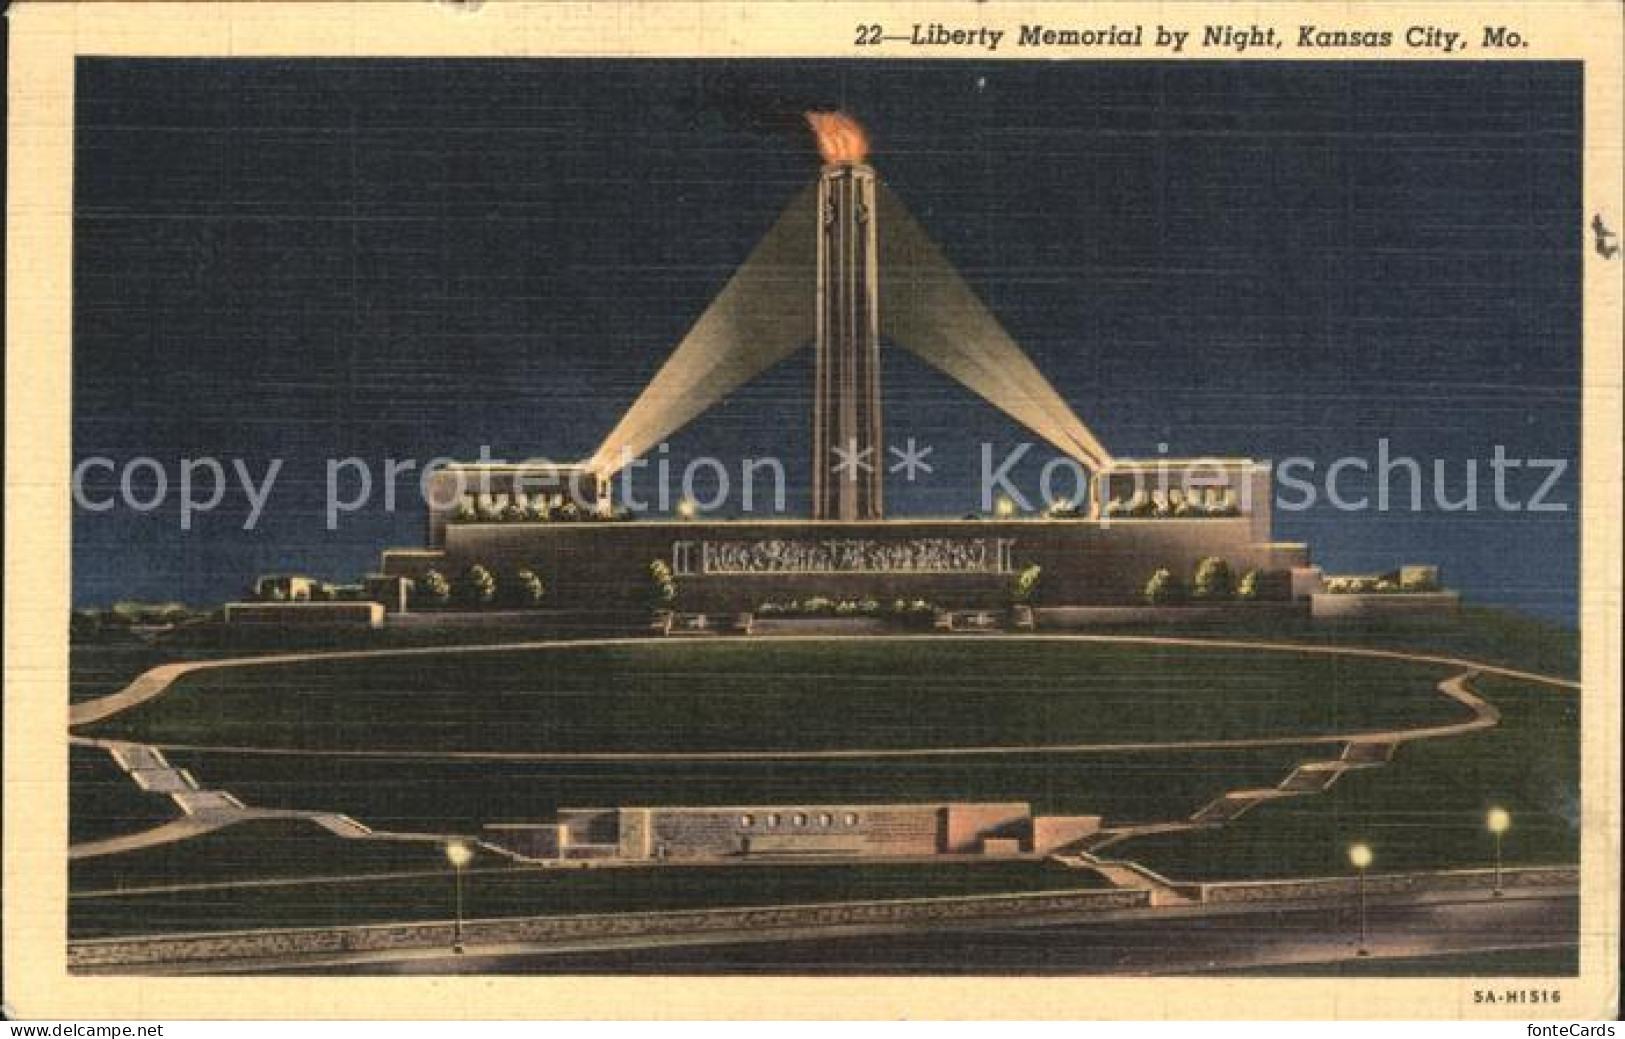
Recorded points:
1360,856
458,854
1499,820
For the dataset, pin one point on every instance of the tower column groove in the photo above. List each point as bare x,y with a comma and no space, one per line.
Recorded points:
848,452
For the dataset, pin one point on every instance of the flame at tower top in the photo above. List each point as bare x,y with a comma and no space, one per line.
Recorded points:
840,137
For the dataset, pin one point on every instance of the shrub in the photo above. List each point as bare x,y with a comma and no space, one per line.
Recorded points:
479,587
662,586
527,588
1164,588
432,590
1248,590
1026,584
515,513
463,513
1214,580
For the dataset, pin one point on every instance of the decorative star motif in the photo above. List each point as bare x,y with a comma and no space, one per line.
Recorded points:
911,459
850,460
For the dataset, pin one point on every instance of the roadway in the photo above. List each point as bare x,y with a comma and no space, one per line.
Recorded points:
1167,940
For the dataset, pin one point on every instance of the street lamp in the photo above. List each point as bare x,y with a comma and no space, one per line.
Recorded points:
1360,856
1499,822
1004,508
687,510
459,855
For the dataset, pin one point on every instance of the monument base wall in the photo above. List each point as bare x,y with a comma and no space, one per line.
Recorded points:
740,564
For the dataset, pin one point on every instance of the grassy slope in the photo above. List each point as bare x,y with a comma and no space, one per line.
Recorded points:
1532,755
103,801
494,889
1424,811
788,695
459,796
262,849
1480,633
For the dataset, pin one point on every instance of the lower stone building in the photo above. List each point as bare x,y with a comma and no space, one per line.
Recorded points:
796,831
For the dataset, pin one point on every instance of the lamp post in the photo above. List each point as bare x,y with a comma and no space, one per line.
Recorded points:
1004,508
687,509
1360,856
1499,821
459,855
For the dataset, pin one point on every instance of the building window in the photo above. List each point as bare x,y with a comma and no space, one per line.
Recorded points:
850,819
773,820
747,820
801,819
825,819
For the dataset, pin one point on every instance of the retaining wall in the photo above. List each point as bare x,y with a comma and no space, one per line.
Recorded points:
317,942
1478,880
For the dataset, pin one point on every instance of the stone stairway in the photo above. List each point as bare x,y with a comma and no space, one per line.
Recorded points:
1133,876
1308,777
205,809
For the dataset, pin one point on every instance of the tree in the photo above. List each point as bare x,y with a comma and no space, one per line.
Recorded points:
432,589
1248,589
1026,584
1214,580
527,588
1164,588
479,586
662,586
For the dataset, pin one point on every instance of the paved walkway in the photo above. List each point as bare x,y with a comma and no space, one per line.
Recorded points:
204,810
152,683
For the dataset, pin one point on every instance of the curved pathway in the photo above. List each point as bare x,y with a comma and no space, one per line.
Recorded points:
205,810
1361,750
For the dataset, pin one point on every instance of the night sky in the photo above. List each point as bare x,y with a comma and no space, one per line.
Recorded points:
390,259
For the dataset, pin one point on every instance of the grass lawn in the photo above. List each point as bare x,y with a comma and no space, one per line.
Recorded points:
796,695
459,796
1479,633
103,801
493,890
1424,811
102,667
259,850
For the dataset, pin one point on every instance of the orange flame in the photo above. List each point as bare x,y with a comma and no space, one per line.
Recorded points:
840,137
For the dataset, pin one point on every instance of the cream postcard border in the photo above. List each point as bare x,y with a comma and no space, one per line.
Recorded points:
46,37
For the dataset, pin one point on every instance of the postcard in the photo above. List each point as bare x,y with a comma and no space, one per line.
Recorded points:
927,510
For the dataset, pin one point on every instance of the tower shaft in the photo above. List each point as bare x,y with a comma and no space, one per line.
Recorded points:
848,453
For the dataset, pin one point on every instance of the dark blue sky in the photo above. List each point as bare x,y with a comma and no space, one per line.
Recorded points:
390,259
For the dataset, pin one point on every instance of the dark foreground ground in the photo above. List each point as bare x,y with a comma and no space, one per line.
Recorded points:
1510,937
